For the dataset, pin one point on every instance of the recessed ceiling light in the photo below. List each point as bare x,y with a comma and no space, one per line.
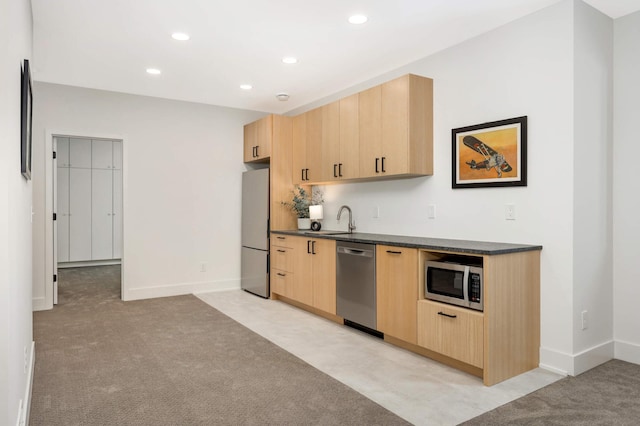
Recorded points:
246,86
290,60
154,71
357,19
180,36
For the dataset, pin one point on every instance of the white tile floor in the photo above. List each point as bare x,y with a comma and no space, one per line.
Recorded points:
422,391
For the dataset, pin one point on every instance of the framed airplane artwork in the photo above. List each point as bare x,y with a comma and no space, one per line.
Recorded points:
490,154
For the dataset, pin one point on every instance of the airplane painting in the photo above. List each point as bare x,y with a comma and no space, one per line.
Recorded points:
492,159
490,154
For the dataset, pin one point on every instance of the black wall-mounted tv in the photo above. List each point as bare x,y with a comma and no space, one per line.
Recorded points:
26,113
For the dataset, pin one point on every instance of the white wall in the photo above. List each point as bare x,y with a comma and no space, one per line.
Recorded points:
592,237
626,153
182,172
528,67
15,216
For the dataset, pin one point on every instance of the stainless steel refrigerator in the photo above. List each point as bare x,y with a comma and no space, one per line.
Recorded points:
255,232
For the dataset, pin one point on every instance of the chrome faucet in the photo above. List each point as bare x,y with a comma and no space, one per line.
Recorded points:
352,225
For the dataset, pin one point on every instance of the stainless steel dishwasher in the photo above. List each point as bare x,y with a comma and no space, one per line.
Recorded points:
356,283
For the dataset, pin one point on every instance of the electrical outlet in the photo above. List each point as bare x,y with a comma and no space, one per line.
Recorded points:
376,212
203,266
585,323
431,211
510,211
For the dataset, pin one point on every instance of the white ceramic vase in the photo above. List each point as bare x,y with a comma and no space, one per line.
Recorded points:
304,223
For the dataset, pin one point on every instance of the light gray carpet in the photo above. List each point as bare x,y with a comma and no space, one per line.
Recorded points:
606,395
172,361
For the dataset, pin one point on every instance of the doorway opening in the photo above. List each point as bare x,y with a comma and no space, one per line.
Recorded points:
87,209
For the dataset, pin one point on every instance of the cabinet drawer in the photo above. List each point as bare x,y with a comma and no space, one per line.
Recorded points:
282,258
281,240
455,332
281,282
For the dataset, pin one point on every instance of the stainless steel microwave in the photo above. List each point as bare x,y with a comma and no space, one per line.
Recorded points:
455,283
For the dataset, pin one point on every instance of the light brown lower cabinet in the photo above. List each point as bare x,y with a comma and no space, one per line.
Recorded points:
455,332
312,279
396,291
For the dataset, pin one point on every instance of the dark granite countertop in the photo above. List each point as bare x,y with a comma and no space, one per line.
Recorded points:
461,246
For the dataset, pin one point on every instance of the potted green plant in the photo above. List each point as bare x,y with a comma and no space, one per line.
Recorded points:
300,202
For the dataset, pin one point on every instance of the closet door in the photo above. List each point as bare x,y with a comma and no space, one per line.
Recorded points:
117,155
101,154
62,152
80,213
117,214
80,153
101,214
62,215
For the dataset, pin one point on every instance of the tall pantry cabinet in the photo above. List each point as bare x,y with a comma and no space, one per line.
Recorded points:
89,199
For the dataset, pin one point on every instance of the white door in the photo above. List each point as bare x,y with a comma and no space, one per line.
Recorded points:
101,154
61,148
79,214
101,214
62,215
117,155
80,153
117,214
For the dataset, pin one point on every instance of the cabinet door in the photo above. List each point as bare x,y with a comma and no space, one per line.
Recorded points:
80,153
302,283
370,114
455,332
101,216
117,155
101,154
330,143
62,215
264,131
62,152
397,291
250,141
349,165
117,214
314,144
80,214
299,136
394,155
324,275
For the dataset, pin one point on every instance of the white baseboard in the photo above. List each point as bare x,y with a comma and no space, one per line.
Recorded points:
25,403
179,289
592,357
39,304
555,361
85,263
572,365
627,351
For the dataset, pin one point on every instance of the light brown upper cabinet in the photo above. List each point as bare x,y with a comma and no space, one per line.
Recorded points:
340,141
396,128
257,140
307,148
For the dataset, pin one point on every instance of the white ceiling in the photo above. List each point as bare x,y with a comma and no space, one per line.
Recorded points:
108,44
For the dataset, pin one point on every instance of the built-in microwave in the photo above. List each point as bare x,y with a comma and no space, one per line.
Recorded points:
451,281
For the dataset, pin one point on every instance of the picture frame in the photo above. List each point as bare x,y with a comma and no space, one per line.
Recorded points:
492,154
26,115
